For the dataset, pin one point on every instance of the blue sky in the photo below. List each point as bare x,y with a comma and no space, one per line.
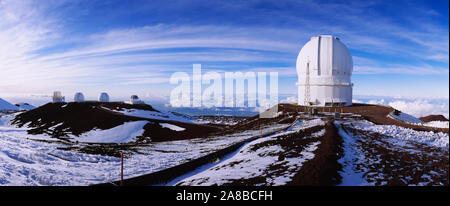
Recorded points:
399,48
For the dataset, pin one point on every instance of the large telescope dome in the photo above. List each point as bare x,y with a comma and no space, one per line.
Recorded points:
324,68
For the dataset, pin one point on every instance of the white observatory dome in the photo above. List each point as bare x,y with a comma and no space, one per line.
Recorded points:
324,68
104,97
79,97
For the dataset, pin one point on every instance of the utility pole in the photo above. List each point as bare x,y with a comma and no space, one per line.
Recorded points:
260,130
121,169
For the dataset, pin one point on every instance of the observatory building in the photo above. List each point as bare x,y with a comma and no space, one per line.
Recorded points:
79,97
324,68
134,99
104,97
57,97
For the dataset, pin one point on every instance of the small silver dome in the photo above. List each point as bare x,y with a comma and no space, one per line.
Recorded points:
104,97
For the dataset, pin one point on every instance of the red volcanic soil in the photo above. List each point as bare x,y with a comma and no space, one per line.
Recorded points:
431,118
63,119
323,169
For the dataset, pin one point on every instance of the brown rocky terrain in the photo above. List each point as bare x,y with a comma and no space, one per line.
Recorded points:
63,119
381,159
430,118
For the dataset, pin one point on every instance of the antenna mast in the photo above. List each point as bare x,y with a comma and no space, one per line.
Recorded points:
307,88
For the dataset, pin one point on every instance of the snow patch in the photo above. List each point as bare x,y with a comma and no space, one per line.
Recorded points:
152,115
24,161
247,163
405,118
350,175
126,132
439,124
172,127
430,138
6,119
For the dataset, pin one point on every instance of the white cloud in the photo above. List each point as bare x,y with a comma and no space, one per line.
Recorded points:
400,69
357,101
420,108
24,28
106,57
414,106
291,99
376,101
169,36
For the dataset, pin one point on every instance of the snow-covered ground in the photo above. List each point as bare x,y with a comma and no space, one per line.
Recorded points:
406,118
387,154
438,124
27,160
401,135
219,120
5,119
413,120
152,115
352,157
248,163
172,127
126,132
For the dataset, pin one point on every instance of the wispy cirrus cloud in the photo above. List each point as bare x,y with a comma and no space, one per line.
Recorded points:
43,49
400,69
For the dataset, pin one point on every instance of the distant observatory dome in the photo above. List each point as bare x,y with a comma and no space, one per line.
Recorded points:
324,68
57,97
134,99
104,97
79,97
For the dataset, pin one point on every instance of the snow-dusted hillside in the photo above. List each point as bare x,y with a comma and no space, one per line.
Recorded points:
6,106
81,121
438,124
403,135
40,160
392,155
126,132
363,147
258,159
405,117
159,115
24,106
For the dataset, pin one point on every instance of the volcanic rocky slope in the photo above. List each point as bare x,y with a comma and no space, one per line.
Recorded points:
61,120
431,118
361,146
364,146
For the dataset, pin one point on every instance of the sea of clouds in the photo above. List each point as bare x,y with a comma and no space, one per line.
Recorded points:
417,107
